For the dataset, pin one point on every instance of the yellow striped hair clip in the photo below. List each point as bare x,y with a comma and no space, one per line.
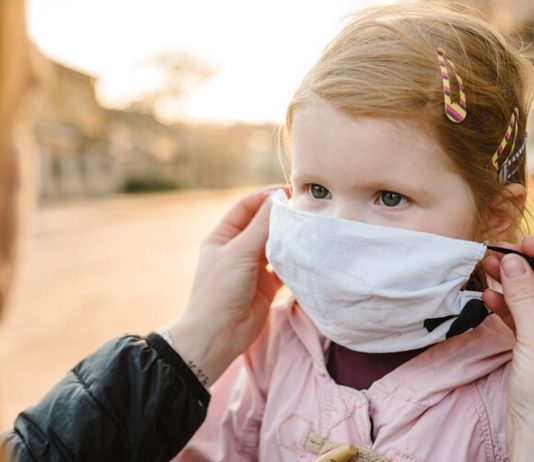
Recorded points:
506,166
455,112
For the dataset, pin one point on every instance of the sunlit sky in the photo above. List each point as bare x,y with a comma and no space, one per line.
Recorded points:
259,49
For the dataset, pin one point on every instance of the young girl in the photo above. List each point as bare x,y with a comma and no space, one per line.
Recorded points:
407,146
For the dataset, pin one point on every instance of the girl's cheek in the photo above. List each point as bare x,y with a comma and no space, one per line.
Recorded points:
304,202
299,201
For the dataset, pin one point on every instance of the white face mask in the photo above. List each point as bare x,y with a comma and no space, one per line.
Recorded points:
373,288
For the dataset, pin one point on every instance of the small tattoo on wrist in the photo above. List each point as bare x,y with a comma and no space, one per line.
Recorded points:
202,378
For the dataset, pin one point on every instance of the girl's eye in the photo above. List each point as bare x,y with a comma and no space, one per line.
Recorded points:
317,191
391,199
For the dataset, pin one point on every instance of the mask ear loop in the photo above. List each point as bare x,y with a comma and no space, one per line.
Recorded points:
455,112
474,311
530,260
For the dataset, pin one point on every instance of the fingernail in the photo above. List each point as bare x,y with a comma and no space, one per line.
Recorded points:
513,266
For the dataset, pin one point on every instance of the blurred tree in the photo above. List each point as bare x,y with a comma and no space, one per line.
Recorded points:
512,17
175,75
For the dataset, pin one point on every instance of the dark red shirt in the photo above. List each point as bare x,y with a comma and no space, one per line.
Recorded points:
359,370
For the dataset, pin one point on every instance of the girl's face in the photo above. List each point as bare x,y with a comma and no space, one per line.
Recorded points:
380,171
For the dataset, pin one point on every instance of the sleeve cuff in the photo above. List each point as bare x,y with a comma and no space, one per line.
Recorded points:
171,356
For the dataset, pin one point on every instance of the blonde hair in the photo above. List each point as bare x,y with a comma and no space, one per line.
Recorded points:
384,63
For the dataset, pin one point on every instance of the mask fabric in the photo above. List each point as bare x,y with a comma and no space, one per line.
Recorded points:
372,288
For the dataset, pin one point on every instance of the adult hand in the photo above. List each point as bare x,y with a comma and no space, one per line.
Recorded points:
232,290
516,307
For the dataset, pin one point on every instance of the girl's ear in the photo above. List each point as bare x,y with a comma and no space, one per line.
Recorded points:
505,213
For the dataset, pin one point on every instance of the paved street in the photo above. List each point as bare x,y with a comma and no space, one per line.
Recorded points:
95,269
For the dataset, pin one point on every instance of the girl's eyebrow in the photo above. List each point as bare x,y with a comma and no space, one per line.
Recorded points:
408,189
306,177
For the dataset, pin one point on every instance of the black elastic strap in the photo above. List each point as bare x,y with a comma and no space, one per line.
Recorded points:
530,260
431,323
472,315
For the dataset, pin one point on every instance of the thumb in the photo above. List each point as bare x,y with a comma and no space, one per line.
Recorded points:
517,279
253,238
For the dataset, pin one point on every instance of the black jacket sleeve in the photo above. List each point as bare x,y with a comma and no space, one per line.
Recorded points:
134,399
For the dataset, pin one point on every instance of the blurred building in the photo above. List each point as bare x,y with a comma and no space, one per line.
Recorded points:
241,154
70,130
144,148
87,150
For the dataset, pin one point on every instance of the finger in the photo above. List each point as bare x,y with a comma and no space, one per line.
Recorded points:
505,245
240,215
279,282
269,282
492,262
264,263
267,290
496,303
508,245
527,246
517,280
492,267
251,241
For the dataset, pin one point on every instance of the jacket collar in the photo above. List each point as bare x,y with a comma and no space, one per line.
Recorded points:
428,377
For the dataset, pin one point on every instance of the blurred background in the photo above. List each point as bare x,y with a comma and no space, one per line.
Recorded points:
155,117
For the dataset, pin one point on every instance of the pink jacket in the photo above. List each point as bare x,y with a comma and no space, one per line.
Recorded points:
277,402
